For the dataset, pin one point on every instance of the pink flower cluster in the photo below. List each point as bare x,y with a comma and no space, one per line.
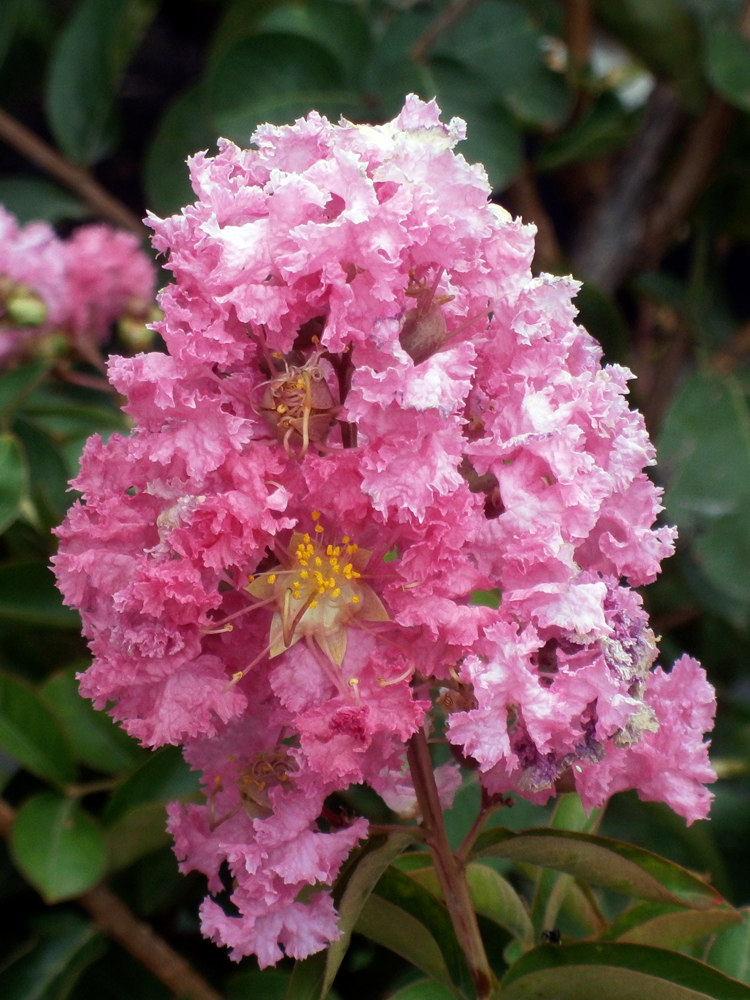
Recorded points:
369,410
75,287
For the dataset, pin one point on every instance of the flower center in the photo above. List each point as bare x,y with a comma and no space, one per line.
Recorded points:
319,593
266,770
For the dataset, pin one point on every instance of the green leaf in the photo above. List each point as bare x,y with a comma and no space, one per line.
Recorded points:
609,863
13,480
706,465
730,951
31,198
136,833
47,473
728,64
660,32
185,128
495,898
276,78
666,926
15,387
500,41
307,978
403,892
30,733
164,776
251,984
338,27
605,128
94,738
65,944
9,11
392,927
58,846
423,990
91,55
492,138
28,596
357,880
615,972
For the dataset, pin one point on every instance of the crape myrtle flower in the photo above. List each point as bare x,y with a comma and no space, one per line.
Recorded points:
369,409
57,293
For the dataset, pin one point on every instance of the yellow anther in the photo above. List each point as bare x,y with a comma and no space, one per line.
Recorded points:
336,592
345,539
315,515
318,561
313,604
319,528
237,676
348,570
281,408
306,539
329,550
355,599
304,574
250,578
354,681
351,549
272,578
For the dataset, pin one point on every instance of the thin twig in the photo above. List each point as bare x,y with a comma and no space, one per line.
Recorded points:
119,923
606,244
446,20
77,180
578,23
687,180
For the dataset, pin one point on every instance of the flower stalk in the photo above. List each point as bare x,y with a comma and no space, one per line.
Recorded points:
449,871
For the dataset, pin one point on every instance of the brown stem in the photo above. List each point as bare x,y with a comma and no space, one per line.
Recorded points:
446,20
687,180
524,200
119,923
449,872
578,22
79,181
607,242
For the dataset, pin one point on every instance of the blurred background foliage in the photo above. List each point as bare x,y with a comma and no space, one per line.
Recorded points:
621,128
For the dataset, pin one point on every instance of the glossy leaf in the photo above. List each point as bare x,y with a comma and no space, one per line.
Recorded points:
65,944
30,198
338,27
48,476
184,129
15,387
398,889
604,128
706,464
276,78
354,885
609,863
389,925
28,596
730,951
136,833
552,887
616,972
13,479
58,846
164,776
492,138
499,41
423,990
30,733
666,926
93,737
91,54
728,65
